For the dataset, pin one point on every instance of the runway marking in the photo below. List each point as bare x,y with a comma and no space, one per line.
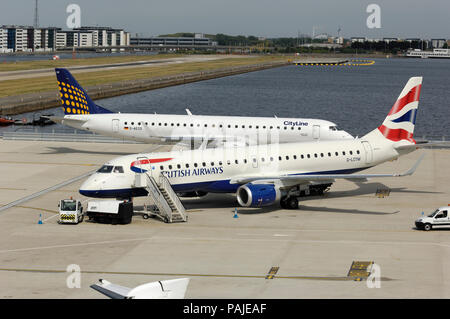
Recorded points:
272,272
53,271
12,189
44,191
184,239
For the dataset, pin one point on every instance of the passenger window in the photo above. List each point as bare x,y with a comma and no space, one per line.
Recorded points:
351,153
315,155
236,161
337,154
295,157
203,164
302,156
187,165
212,163
321,154
287,158
329,154
165,124
308,156
195,164
170,166
279,158
178,166
343,153
161,167
357,152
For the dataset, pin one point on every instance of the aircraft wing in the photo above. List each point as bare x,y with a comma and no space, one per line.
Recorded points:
111,290
165,289
307,178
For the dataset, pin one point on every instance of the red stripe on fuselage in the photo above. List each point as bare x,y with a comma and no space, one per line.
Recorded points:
396,134
150,161
412,96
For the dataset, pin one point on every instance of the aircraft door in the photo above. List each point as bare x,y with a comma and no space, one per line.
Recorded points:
368,151
115,126
316,132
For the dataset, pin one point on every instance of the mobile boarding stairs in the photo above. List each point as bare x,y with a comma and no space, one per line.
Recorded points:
167,205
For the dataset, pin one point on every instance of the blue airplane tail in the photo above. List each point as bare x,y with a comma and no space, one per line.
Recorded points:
74,98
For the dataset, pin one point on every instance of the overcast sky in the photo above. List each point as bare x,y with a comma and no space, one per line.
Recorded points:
269,18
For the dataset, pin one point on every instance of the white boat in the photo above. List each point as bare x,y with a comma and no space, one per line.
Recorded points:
435,54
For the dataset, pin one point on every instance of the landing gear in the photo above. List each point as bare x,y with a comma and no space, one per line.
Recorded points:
289,202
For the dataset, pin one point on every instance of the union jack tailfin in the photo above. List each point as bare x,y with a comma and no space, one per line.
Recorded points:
399,123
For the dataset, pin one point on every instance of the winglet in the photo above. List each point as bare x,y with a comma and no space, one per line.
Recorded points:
413,169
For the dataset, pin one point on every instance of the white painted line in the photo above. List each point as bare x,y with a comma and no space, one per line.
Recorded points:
44,191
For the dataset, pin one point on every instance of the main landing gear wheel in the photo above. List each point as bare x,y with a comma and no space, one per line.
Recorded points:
289,203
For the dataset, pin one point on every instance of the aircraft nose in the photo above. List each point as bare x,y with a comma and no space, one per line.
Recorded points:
92,186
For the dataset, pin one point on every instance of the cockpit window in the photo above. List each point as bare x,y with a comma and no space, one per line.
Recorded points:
105,169
333,128
118,169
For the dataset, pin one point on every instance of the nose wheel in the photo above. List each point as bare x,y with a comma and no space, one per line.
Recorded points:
289,202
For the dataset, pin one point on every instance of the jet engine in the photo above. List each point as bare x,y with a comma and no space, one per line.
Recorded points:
257,195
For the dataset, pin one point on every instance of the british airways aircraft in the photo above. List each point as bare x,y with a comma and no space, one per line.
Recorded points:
264,174
82,113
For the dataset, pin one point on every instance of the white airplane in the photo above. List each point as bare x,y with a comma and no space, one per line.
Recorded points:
264,174
82,113
165,289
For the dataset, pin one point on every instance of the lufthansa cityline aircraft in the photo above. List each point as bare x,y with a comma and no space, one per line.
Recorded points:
82,113
264,174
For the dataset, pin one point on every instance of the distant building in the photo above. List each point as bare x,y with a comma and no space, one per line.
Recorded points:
92,37
388,40
438,43
14,38
173,41
358,39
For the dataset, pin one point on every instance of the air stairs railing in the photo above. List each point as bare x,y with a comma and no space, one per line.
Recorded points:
165,199
165,185
158,198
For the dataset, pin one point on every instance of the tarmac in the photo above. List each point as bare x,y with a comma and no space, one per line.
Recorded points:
224,257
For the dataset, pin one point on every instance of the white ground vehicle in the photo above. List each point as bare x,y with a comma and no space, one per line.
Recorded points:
110,211
70,211
438,218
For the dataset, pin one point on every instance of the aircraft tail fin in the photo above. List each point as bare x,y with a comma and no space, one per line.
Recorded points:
399,123
74,98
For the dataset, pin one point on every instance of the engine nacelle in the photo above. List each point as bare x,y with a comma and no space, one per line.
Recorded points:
257,195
